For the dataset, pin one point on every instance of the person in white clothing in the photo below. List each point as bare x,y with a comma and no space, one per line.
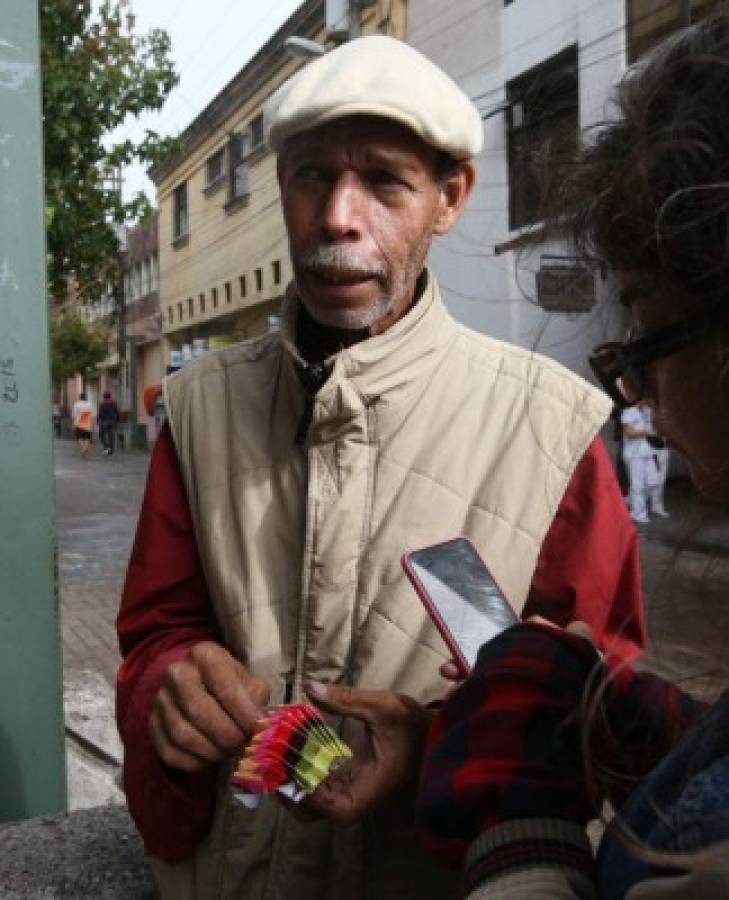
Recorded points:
646,458
82,416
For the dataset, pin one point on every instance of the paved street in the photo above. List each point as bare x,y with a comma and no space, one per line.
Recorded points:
97,504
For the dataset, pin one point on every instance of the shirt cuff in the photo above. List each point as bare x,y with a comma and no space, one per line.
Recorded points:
172,809
521,844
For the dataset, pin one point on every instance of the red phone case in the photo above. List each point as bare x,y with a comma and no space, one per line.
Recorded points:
458,657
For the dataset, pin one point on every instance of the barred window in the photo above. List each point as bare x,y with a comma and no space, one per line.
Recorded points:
543,114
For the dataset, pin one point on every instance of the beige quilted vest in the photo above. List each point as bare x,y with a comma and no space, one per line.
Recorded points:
420,434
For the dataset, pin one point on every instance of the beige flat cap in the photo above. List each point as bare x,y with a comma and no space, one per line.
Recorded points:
376,76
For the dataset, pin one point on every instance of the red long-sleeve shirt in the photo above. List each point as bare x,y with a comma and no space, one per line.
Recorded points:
588,569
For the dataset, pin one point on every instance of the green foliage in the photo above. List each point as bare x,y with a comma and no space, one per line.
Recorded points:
75,347
96,73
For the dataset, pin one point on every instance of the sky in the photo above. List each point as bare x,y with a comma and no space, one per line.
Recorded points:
211,41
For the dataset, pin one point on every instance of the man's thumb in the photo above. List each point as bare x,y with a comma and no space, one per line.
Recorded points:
339,699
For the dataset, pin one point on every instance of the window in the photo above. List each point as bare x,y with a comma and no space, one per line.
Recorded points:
543,114
180,223
237,167
214,168
190,307
256,131
202,301
155,272
147,277
179,312
649,21
228,293
214,296
276,271
258,274
170,315
242,285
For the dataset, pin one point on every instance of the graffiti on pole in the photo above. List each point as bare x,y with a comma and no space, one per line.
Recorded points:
9,396
8,381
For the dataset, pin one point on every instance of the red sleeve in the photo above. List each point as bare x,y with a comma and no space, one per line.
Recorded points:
588,567
165,609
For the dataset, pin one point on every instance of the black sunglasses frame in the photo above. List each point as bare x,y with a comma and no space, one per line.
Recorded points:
617,360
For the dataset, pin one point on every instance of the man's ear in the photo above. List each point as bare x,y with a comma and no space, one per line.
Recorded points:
454,193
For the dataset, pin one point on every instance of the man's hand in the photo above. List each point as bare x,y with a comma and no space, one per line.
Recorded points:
387,757
206,708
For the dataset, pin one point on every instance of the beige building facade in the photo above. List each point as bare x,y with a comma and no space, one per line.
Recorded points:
223,252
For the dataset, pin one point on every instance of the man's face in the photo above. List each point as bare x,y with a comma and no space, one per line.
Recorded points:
361,204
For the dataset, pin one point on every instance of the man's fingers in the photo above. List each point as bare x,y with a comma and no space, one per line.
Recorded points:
342,700
450,671
258,689
185,702
582,629
239,693
540,620
171,754
185,697
342,797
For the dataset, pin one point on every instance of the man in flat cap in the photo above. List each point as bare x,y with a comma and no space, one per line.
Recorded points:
296,469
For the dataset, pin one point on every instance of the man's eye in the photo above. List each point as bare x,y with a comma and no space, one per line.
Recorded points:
383,178
310,173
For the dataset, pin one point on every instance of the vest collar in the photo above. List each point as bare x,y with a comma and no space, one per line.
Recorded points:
387,363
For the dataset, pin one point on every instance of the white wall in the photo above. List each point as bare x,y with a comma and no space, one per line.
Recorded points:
483,45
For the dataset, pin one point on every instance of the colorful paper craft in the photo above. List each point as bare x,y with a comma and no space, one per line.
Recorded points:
292,751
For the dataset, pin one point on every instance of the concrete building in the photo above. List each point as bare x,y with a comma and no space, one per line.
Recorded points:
537,71
223,251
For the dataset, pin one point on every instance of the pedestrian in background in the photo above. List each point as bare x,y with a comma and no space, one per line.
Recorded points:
82,417
646,458
108,422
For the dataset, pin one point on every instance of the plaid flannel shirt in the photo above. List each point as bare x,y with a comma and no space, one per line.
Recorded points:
507,747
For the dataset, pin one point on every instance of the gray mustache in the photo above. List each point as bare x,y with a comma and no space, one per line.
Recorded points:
341,261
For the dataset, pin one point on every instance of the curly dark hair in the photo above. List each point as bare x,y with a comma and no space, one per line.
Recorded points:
649,193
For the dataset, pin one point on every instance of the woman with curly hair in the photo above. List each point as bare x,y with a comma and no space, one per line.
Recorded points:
511,777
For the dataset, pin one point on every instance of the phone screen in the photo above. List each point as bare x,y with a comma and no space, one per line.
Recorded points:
463,592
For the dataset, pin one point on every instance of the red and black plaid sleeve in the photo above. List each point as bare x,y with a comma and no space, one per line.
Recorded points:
508,747
506,744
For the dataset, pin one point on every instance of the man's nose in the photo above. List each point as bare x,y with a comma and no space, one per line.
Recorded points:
342,214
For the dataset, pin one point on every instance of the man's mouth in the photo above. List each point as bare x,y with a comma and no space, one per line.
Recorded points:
342,276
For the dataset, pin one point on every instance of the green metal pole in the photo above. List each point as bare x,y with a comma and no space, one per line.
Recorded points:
32,763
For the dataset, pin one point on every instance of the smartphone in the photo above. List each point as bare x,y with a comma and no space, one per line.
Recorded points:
461,596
